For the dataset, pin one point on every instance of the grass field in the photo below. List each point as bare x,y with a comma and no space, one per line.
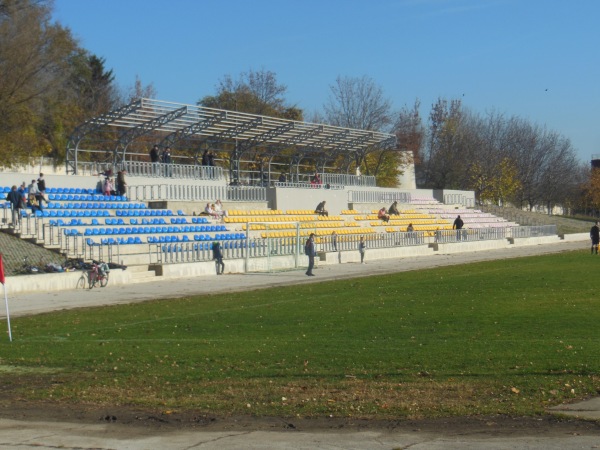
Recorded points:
509,337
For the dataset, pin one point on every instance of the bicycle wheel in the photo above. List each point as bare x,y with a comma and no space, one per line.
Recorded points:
104,280
81,283
93,279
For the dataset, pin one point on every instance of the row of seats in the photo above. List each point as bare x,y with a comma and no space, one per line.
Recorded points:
153,230
143,212
113,241
95,205
340,231
53,190
74,213
165,239
87,197
304,218
254,212
197,237
173,248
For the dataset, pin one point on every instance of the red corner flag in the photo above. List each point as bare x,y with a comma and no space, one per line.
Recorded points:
1,270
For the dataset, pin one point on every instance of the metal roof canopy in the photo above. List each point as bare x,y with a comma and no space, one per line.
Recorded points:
175,121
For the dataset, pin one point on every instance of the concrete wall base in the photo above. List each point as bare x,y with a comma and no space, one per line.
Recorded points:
68,281
54,282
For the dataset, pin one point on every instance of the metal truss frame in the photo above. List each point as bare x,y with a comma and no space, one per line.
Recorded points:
223,131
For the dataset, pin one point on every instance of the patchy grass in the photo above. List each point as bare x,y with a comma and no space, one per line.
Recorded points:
508,337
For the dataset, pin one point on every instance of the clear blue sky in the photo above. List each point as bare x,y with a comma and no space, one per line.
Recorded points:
537,59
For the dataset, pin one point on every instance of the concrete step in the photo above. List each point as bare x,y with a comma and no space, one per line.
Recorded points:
141,274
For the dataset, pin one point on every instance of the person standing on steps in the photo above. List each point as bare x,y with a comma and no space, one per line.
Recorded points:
310,251
595,237
457,225
218,258
362,248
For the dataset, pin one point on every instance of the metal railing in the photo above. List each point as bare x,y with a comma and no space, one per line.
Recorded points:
178,192
159,170
379,240
533,231
470,235
345,179
301,185
459,199
378,197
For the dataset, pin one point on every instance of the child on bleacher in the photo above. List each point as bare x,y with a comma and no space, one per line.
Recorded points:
210,210
383,215
107,188
219,209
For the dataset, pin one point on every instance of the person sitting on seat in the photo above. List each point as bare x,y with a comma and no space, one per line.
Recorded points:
410,228
210,210
316,179
383,215
320,209
219,208
394,209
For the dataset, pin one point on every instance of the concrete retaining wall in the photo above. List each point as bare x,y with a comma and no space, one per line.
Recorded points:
54,282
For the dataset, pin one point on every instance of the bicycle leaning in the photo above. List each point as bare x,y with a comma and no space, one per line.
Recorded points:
96,273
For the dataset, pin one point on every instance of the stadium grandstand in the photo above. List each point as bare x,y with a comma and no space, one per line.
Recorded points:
269,174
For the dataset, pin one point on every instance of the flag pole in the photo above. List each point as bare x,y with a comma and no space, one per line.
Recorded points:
3,281
7,313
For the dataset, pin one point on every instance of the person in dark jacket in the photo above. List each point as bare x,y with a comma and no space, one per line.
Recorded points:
310,251
41,185
218,257
17,204
167,160
457,225
320,209
595,237
121,183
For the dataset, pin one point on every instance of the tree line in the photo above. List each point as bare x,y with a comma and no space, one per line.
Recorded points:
50,84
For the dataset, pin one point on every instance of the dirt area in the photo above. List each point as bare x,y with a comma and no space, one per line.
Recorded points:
132,418
137,421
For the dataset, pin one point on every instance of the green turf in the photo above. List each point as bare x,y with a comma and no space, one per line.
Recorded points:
509,337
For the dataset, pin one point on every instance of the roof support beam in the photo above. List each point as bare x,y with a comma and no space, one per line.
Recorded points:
331,139
264,137
353,143
188,131
298,139
92,125
235,131
132,134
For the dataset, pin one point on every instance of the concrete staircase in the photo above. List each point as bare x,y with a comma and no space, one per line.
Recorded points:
141,274
564,225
